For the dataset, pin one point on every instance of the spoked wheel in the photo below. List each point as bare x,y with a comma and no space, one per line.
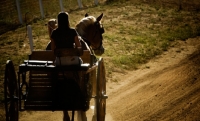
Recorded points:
101,91
11,93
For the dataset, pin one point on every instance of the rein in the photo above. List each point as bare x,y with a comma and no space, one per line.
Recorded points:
90,44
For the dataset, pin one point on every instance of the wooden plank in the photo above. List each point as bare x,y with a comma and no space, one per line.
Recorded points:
38,62
86,56
38,75
38,105
33,84
40,93
91,69
42,55
35,79
24,68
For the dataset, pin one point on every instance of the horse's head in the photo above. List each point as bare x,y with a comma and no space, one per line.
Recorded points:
91,30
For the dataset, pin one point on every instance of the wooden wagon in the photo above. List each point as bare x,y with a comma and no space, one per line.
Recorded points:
41,86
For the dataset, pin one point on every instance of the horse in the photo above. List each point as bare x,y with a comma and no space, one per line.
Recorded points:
90,32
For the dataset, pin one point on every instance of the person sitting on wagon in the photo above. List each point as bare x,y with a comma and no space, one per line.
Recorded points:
65,37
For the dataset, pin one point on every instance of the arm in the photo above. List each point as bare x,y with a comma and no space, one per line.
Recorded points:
52,45
78,45
77,42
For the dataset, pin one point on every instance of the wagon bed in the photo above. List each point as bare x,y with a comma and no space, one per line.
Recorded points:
43,83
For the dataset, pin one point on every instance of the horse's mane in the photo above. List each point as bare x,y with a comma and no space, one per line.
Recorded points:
83,24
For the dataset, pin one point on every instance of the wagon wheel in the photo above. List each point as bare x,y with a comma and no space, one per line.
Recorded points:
10,93
101,91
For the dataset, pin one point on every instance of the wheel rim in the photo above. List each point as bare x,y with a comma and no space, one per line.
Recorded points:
101,91
10,93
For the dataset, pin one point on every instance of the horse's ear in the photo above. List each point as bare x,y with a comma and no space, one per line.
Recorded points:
100,17
86,15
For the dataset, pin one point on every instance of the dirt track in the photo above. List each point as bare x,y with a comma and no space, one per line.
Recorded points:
169,89
166,88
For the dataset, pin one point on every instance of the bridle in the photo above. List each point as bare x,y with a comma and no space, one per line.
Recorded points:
101,31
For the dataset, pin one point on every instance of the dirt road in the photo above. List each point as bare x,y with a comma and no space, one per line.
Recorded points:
165,89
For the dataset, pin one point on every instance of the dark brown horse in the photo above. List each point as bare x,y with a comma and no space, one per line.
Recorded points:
90,32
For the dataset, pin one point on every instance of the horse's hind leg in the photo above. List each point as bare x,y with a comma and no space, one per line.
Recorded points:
66,116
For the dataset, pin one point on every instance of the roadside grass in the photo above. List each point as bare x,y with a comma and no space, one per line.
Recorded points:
134,33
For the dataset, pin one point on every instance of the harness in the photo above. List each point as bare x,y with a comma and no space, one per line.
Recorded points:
101,30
